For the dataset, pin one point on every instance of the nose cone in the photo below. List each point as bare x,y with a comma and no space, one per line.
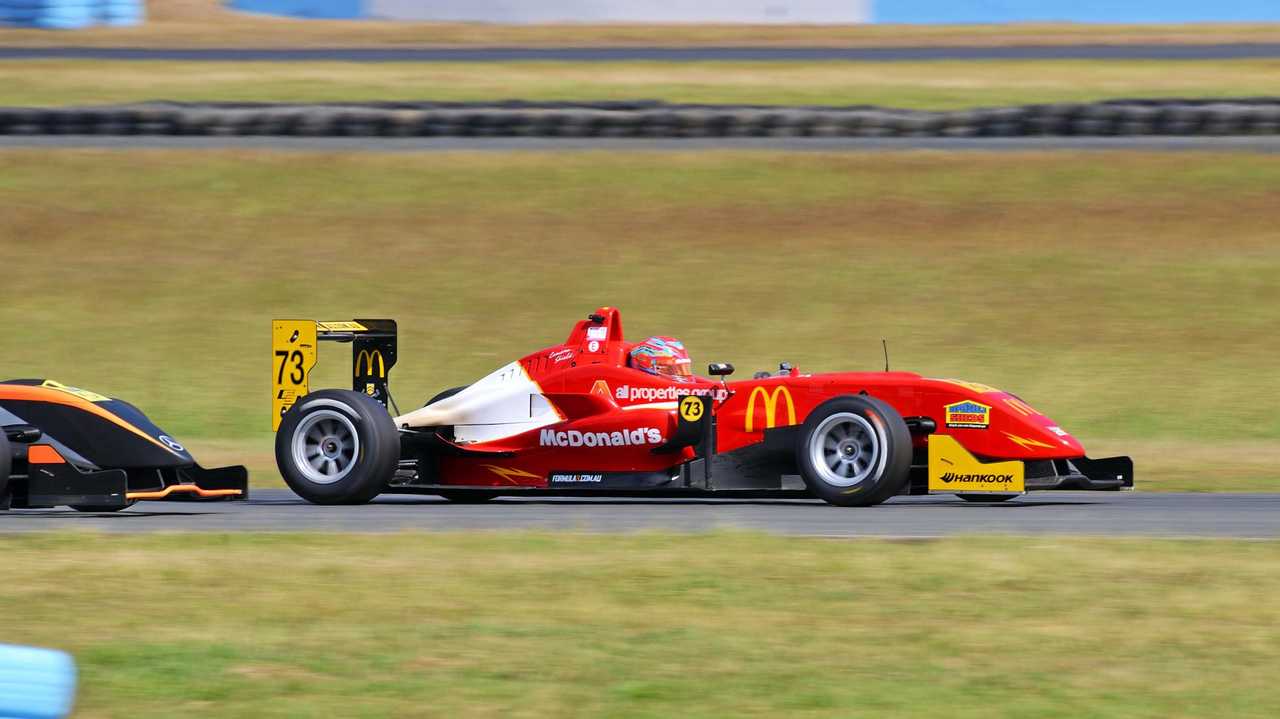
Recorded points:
1040,436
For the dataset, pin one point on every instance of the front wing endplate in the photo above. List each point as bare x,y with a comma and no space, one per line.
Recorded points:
953,469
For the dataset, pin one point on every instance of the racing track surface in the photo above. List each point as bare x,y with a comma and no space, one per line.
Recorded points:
1261,144
657,54
1254,516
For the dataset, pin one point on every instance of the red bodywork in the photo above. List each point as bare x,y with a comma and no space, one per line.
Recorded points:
628,413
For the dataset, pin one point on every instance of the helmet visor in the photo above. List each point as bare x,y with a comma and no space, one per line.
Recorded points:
679,367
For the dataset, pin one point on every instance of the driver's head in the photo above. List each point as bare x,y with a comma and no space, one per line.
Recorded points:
663,356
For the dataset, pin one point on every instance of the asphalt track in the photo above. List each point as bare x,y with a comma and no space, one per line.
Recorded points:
657,54
1248,516
1258,144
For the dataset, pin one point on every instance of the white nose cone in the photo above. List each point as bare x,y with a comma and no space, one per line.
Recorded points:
504,403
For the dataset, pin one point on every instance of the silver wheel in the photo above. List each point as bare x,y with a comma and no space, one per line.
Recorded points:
846,449
325,446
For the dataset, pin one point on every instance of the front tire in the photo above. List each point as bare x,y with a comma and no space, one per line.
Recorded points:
854,451
337,447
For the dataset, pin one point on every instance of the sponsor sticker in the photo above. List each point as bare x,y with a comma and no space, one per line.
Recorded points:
769,400
660,394
577,478
1059,431
968,415
1003,479
597,333
171,444
601,388
638,437
560,355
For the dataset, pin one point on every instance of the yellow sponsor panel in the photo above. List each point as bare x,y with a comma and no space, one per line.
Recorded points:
953,469
345,326
293,350
770,401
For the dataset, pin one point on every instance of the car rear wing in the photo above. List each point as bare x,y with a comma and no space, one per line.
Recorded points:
293,349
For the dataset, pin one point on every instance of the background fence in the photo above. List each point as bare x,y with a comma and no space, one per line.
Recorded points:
778,11
70,14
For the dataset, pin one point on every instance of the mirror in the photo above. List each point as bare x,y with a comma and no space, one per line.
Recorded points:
719,369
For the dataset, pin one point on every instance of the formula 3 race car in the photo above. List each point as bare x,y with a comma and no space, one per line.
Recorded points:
64,445
579,419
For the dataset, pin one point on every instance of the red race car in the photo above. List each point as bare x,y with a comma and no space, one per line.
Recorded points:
598,415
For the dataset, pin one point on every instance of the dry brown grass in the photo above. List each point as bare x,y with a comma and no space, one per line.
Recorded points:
900,84
527,625
1129,296
204,23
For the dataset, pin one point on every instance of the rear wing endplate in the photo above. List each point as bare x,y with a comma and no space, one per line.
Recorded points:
293,350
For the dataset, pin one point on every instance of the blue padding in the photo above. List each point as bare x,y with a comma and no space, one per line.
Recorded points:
64,14
123,12
35,683
317,9
1113,11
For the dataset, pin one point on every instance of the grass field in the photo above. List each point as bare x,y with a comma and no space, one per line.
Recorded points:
1131,297
523,625
196,23
927,85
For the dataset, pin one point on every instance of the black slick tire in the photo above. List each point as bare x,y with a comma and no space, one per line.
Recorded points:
337,446
854,451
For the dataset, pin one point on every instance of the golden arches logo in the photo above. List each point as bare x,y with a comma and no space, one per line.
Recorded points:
366,358
770,407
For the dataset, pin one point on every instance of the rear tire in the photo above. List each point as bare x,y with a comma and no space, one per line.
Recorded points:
854,451
337,446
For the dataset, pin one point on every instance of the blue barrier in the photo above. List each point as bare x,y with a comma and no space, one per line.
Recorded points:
1100,11
314,9
35,683
71,14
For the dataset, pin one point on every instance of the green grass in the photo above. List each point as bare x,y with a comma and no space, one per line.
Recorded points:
928,85
650,625
1131,297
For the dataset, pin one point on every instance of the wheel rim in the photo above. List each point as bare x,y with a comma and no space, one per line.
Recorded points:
845,450
325,446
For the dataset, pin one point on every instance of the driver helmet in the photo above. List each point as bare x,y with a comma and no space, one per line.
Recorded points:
663,356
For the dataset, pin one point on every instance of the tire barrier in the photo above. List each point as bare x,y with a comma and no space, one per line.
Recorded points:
648,119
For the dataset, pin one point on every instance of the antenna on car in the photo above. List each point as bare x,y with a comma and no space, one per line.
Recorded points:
885,344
